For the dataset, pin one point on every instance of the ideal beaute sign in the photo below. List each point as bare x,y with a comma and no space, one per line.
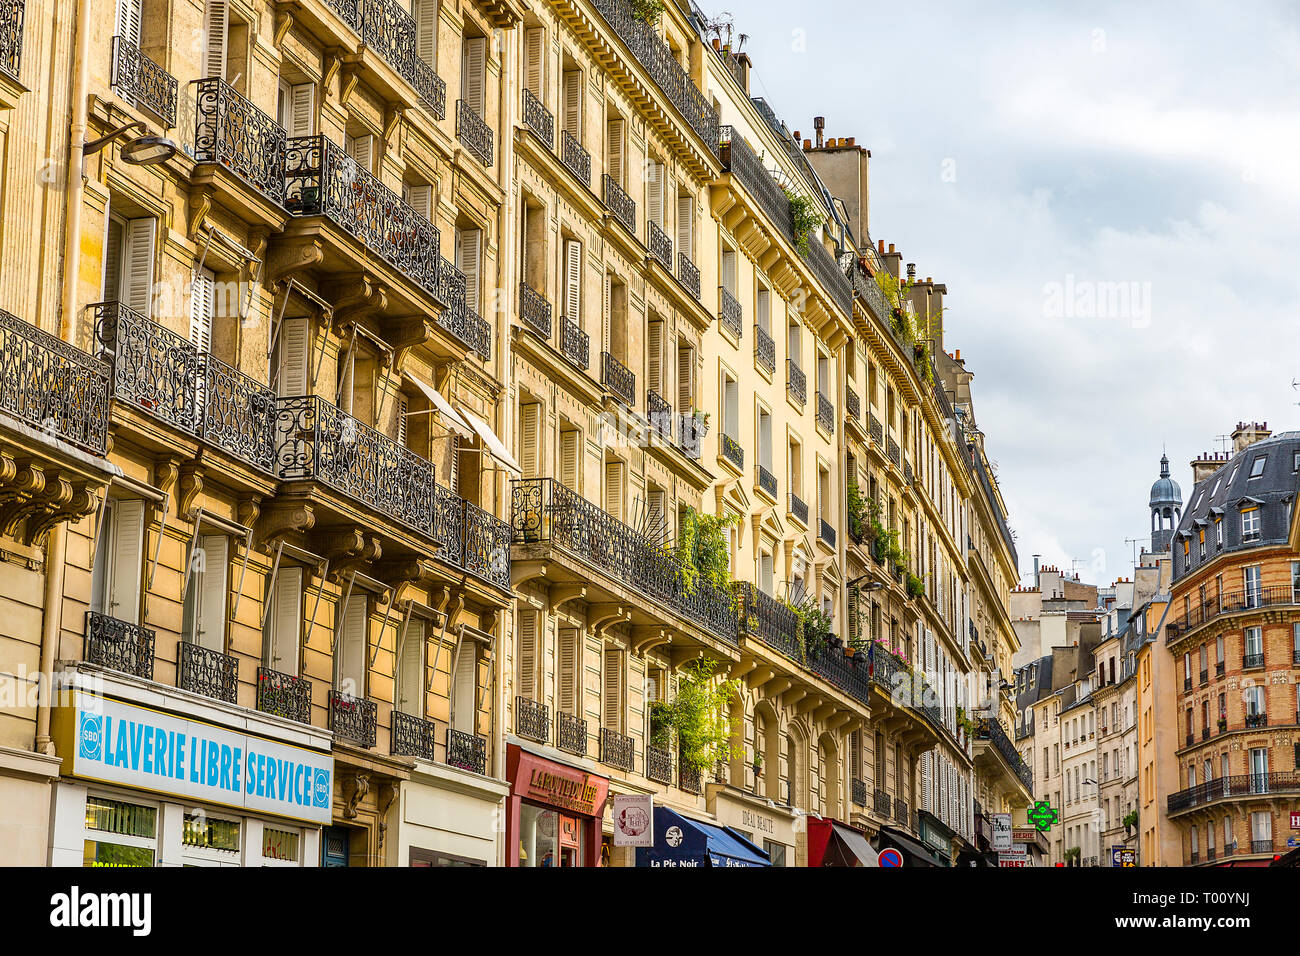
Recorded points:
116,742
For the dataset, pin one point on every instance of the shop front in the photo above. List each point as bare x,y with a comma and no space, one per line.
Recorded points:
770,827
938,838
152,778
831,843
554,811
446,816
913,852
681,841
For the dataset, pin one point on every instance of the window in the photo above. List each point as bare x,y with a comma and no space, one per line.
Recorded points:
128,263
210,837
119,833
292,356
614,488
572,268
1252,586
685,377
1218,534
614,150
530,417
425,14
473,77
282,633
656,181
569,671
469,260
119,555
1250,524
730,406
352,645
1254,700
612,704
570,458
280,847
765,439
571,108
655,357
217,33
206,593
686,225
766,573
794,345
464,686
296,108
1257,466
411,658
527,654
728,272
362,150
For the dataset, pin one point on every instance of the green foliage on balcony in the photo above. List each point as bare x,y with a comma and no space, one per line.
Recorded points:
915,585
694,718
806,215
648,11
703,550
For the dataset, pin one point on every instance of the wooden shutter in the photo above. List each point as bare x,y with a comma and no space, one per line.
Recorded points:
529,420
573,280
569,449
654,357
764,310
528,654
285,621
212,591
362,149
607,313
464,701
426,31
420,198
202,291
611,699
128,555
570,674
128,20
729,270
113,242
469,246
655,192
453,469
685,374
302,109
686,226
293,346
137,277
533,45
352,645
927,785
403,406
410,673
573,103
474,75
614,489
614,150
216,29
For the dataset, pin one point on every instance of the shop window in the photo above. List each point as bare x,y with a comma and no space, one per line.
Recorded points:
119,560
120,833
204,832
420,857
280,847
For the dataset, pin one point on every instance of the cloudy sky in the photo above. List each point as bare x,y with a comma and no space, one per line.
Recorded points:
1111,192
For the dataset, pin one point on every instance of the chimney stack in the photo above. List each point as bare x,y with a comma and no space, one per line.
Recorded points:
1247,434
819,124
911,272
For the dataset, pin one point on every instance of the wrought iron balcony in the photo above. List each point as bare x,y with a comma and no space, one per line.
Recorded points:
660,246
825,413
907,472
323,180
895,455
1205,676
690,433
827,271
732,451
349,11
283,695
618,378
764,349
353,718
390,30
230,131
689,779
571,734
881,802
142,80
575,159
1254,721
1233,603
617,750
799,508
474,133
766,482
620,205
661,65
534,311
1279,782
11,37
729,312
991,729
575,343
544,510
796,382
900,811
538,118
688,275
770,621
413,737
467,751
659,765
486,544
852,404
1252,661
826,532
471,329
858,792
208,672
119,646
532,719
876,429
53,386
660,414
740,160
1261,846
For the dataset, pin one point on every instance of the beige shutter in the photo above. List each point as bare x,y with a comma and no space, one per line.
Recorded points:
464,701
128,554
614,150
113,242
686,226
352,645
729,270
614,489
212,590
573,280
685,371
533,41
607,313
128,20
469,246
655,357
569,445
216,29
474,74
569,670
655,192
528,654
403,406
410,673
655,523
453,470
573,103
292,375
202,291
362,149
137,277
612,692
426,31
529,421
302,105
285,621
420,198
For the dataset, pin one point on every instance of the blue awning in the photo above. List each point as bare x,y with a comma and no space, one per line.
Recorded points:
681,841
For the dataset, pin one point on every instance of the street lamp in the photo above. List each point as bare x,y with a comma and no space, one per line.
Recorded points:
138,151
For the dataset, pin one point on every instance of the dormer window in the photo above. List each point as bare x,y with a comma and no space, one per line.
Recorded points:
1257,466
1250,523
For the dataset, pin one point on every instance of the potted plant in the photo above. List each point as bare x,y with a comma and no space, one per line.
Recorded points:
915,585
758,764
647,11
1223,724
1131,821
693,718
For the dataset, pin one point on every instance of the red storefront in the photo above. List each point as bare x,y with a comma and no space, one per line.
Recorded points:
554,813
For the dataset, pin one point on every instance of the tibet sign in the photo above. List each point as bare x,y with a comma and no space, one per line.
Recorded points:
1014,857
634,819
117,742
1001,832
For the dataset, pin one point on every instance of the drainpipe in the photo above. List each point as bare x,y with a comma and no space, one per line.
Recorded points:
56,539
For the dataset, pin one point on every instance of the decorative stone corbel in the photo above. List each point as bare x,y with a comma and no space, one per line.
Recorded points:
283,518
292,256
360,786
282,24
191,486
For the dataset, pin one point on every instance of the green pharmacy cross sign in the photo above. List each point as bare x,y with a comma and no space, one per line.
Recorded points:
1043,816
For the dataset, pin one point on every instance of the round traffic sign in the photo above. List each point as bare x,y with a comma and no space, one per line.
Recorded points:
890,857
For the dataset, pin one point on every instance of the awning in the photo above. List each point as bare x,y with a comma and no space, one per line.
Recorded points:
915,853
681,841
450,417
494,446
848,847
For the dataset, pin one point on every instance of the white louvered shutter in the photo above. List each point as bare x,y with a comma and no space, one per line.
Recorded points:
655,192
285,621
573,280
128,555
302,109
202,291
353,642
426,31
529,416
420,198
569,458
614,489
410,673
403,406
464,701
469,251
927,787
611,701
212,589
291,378
474,74
528,654
655,357
216,25
137,277
573,104
453,469
614,151
686,226
533,40
362,149
656,522
128,20
568,668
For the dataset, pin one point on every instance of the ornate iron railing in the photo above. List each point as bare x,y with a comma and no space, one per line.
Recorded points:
688,275
349,11
154,369
231,132
908,475
413,737
894,454
53,386
458,318
144,81
617,750
876,429
796,382
852,404
474,133
827,271
532,719
621,206
538,118
769,620
11,37
467,751
575,344
534,310
766,482
900,811
544,510
764,349
1235,602
690,434
283,695
618,378
660,246
858,792
731,450
799,508
487,546
575,159
119,646
659,765
689,779
237,413
1280,782
660,414
571,734
740,160
826,532
825,413
991,729
323,180
730,314
881,802
387,27
208,672
354,718
477,333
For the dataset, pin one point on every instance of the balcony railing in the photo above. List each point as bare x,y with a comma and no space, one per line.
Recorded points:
876,429
1261,846
353,718
729,312
619,203
571,734
690,433
534,311
825,413
486,541
799,508
119,646
53,386
538,118
546,511
764,349
659,765
1255,721
688,275
323,180
740,160
660,246
689,778
141,79
618,378
466,751
796,382
769,620
474,133
827,271
413,737
458,317
11,37
732,451
766,482
617,750
660,414
1232,603
1252,661
826,532
852,404
1243,785
991,729
881,802
901,810
231,132
208,672
575,344
532,720
575,159
283,695
389,29
858,792
895,455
